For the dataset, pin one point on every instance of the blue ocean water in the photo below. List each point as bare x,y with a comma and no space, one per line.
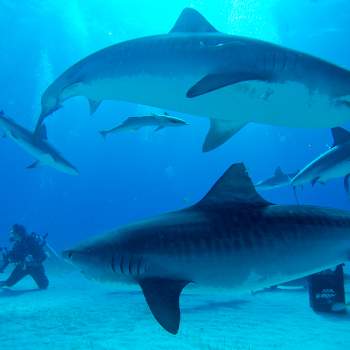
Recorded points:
136,175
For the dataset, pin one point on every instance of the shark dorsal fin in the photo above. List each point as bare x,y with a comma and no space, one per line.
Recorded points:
41,134
278,171
191,21
340,136
233,188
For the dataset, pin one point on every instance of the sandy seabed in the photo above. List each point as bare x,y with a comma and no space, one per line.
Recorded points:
75,313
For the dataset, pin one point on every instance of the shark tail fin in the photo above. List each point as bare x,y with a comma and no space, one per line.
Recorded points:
103,133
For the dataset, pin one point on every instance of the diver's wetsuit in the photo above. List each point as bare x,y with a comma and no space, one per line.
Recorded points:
31,247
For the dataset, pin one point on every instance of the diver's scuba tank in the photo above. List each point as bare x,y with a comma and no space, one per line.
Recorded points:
327,291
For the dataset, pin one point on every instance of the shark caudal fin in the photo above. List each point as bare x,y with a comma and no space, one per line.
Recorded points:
103,133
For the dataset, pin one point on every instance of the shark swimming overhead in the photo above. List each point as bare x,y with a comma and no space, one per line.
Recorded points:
331,164
279,179
232,238
160,121
196,70
36,145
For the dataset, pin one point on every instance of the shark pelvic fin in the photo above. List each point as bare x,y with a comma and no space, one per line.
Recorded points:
93,106
160,127
192,21
33,165
234,188
340,136
219,132
217,81
162,297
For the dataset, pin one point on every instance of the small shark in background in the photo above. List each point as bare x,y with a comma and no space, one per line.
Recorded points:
332,164
232,238
160,121
279,179
36,145
196,70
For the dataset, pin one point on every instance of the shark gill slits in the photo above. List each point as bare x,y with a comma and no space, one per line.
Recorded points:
139,266
121,265
130,266
112,263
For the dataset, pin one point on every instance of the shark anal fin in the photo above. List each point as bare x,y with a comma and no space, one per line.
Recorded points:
93,106
233,188
340,136
217,81
162,297
220,131
191,21
33,165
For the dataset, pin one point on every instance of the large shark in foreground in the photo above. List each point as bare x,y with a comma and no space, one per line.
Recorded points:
36,145
331,164
197,70
232,238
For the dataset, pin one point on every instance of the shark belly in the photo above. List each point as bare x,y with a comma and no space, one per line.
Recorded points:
283,104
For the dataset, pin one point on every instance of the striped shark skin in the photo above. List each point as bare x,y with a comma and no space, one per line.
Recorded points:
36,145
232,238
196,70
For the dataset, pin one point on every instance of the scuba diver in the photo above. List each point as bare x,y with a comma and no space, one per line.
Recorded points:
28,254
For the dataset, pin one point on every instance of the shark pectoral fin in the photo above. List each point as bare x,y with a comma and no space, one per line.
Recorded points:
217,81
33,165
160,127
162,296
93,105
219,132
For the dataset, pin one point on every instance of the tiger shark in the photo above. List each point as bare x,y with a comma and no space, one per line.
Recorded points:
36,145
331,164
196,70
232,238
